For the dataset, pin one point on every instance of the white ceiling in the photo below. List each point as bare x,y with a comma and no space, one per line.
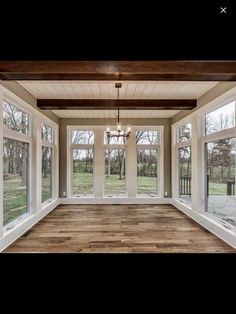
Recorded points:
107,90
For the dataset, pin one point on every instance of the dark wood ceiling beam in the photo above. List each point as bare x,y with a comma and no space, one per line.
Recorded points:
119,70
124,104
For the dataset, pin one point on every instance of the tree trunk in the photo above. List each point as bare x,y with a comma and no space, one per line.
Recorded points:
24,165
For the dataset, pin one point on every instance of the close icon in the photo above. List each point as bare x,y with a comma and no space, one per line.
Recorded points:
223,10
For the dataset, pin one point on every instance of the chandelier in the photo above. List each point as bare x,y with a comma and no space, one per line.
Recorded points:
119,132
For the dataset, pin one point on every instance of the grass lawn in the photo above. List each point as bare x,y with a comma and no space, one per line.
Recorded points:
46,188
147,186
115,186
14,199
83,185
217,188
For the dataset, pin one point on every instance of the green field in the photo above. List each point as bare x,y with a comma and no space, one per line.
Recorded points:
83,184
46,189
14,199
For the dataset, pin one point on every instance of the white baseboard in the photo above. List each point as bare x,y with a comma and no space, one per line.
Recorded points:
227,235
19,229
113,200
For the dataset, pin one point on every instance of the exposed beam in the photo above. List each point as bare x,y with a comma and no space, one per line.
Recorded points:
124,104
119,70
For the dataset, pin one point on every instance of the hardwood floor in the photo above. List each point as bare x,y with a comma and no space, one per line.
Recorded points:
118,228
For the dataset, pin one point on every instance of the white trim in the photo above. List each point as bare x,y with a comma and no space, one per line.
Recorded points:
114,200
55,162
36,210
199,139
204,220
99,147
227,133
13,234
14,135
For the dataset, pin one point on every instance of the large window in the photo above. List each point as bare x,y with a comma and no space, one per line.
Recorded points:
82,156
46,173
15,119
185,174
115,167
183,151
220,119
115,172
47,136
220,171
15,163
82,172
148,170
147,181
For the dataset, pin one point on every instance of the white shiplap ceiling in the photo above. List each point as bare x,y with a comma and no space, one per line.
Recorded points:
126,114
107,90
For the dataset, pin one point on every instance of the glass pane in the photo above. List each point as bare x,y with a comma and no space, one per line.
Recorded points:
221,119
185,174
185,132
47,133
115,172
147,182
114,140
82,137
147,137
82,172
46,173
15,119
15,179
220,182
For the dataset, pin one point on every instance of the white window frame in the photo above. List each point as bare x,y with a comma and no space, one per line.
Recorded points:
53,146
199,139
216,136
25,138
176,146
159,147
70,148
99,164
34,166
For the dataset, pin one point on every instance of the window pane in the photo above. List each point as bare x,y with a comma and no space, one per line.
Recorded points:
114,140
46,173
47,133
185,174
221,119
82,137
82,172
220,182
147,183
15,179
185,132
115,172
15,119
147,137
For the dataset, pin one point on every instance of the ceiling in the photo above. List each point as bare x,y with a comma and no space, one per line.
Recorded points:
107,90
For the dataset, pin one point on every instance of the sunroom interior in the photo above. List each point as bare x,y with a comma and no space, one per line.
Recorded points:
66,186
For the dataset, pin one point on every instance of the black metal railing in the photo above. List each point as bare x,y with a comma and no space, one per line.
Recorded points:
185,185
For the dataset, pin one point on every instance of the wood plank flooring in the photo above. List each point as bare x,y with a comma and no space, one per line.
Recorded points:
118,228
